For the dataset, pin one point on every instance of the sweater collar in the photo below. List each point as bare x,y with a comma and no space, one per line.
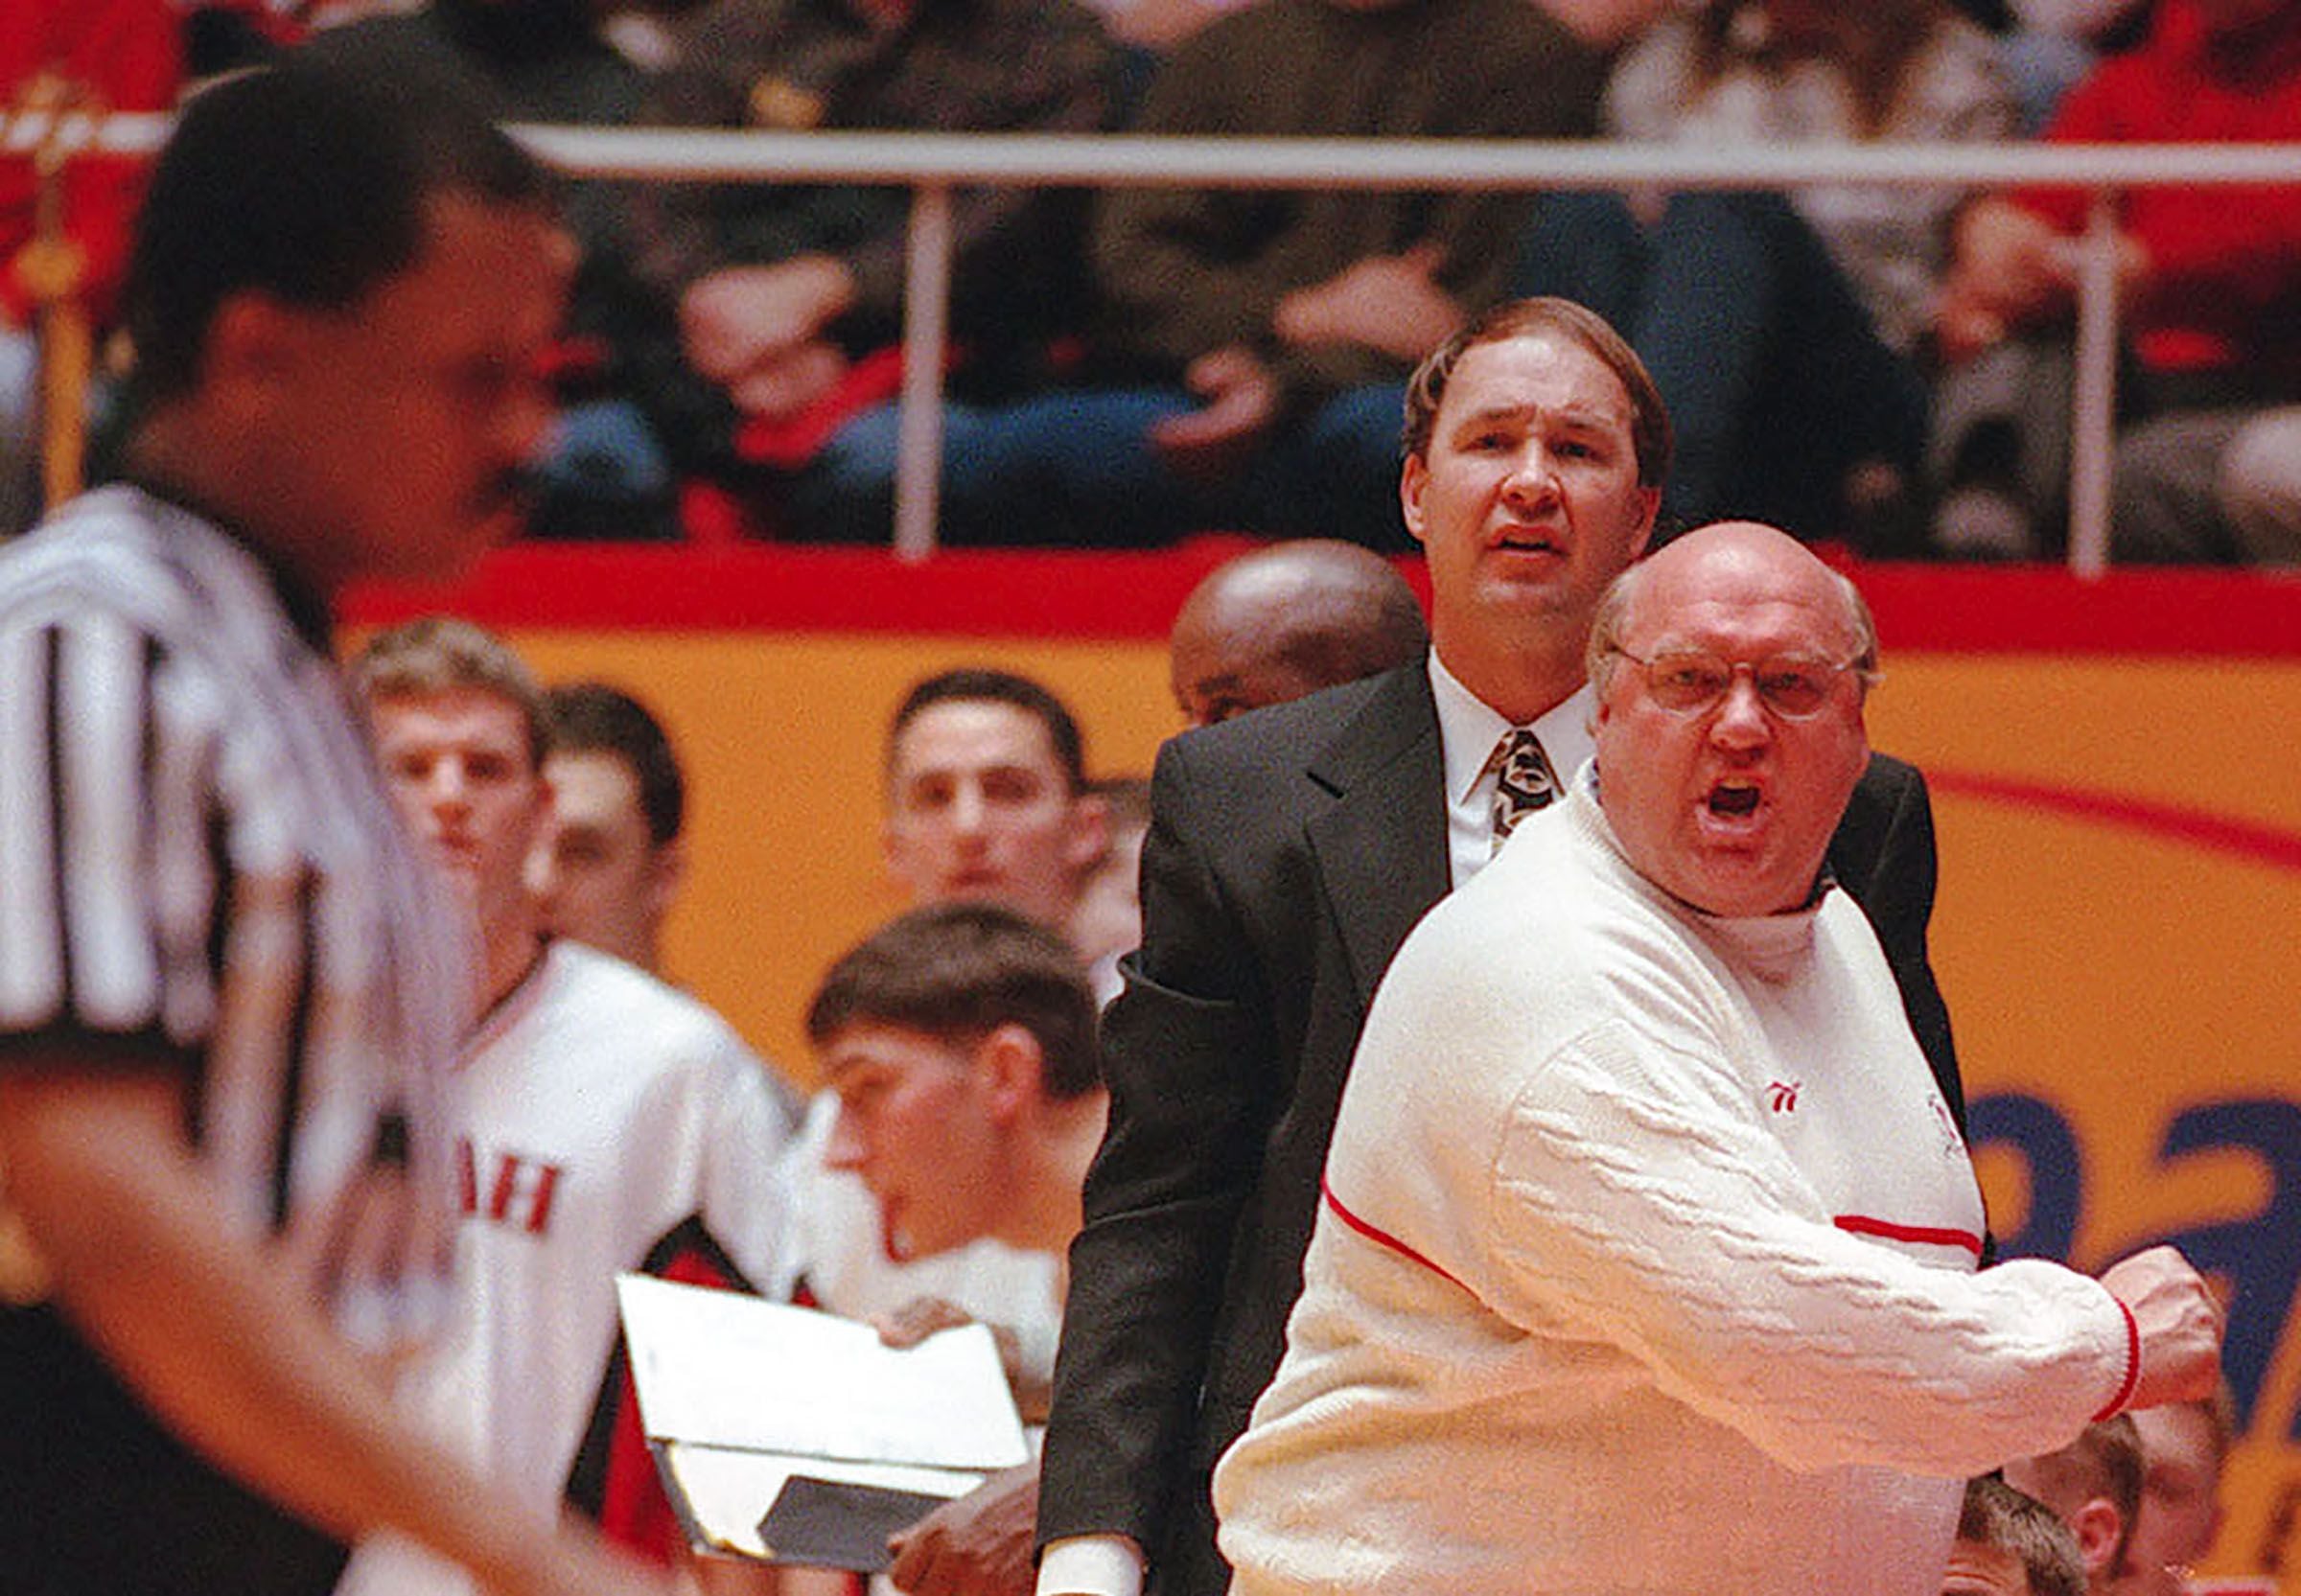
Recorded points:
1773,947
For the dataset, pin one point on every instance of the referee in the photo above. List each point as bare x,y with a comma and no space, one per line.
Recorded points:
224,1006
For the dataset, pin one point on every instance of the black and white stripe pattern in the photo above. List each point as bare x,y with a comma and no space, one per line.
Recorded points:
198,859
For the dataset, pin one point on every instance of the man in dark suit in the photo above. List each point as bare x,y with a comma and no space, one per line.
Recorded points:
1290,852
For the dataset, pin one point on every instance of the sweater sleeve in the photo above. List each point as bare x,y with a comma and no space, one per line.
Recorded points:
1635,1197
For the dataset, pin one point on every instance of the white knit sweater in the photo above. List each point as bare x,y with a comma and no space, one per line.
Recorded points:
1646,1267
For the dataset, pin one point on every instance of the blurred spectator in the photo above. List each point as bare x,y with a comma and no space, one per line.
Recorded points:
117,55
611,860
1763,317
1253,351
629,406
2212,277
1278,622
2210,487
2010,1545
2051,45
2260,490
2094,1486
790,295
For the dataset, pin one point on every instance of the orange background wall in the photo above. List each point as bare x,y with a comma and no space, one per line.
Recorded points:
2117,780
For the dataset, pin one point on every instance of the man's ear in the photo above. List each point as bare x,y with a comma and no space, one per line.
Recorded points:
1650,505
252,341
2100,1532
666,873
1010,1065
539,815
1413,478
1090,831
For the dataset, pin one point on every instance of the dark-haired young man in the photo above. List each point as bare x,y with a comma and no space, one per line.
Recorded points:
986,796
612,859
2094,1485
224,1006
961,1042
2010,1545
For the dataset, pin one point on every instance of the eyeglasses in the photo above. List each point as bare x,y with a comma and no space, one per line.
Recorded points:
1795,687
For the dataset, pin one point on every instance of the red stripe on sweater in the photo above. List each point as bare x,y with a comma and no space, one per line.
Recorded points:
2124,1387
1861,1224
1380,1237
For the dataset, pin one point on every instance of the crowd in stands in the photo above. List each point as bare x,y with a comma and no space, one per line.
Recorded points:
1887,367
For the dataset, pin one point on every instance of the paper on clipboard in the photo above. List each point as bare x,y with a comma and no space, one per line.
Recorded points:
738,1394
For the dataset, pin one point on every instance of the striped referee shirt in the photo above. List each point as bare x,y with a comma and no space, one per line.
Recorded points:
198,866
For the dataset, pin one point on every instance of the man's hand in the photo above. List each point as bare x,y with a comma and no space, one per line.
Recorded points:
979,1545
122,1213
2009,266
1242,401
1391,303
790,380
734,321
2180,1321
922,1316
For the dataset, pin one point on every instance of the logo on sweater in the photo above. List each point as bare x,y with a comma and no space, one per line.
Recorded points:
1953,1145
1782,1095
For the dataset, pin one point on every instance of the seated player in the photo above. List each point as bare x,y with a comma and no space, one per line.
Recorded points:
604,1121
959,1040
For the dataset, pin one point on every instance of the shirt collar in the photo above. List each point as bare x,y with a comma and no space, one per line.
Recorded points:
1468,728
306,610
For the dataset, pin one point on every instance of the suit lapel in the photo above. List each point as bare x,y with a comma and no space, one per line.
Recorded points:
1382,843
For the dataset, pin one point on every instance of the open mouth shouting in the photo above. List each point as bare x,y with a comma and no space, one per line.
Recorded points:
1733,806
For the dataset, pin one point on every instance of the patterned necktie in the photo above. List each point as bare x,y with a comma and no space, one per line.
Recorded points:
1524,782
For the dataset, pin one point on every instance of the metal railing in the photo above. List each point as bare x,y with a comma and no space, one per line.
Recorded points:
933,164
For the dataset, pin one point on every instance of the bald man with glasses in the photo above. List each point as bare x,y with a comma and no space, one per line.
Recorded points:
1647,1259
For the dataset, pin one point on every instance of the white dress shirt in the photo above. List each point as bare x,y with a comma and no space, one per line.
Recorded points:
1468,730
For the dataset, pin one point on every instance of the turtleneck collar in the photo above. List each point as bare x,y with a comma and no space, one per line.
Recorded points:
1772,947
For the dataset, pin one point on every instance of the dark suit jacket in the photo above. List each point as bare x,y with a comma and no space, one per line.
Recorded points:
1289,853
